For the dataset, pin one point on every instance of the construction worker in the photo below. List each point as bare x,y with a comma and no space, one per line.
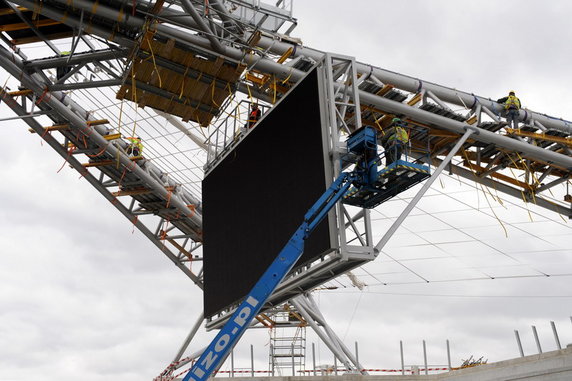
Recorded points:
512,108
61,71
253,116
135,147
394,141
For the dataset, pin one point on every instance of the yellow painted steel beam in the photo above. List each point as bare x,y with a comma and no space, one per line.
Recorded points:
132,192
105,162
10,11
180,248
384,90
534,135
35,38
24,26
65,126
56,127
413,101
472,120
112,136
478,170
285,56
20,93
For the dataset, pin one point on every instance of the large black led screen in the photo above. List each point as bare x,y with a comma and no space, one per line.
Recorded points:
256,198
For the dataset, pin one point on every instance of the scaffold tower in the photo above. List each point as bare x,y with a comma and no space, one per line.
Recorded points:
287,343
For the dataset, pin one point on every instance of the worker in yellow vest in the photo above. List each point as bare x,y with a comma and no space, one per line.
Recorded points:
61,71
135,147
394,141
512,109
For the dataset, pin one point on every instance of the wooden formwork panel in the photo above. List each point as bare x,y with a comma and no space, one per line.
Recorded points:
195,91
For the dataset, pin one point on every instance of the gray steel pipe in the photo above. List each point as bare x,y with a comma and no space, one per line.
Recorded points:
281,71
189,7
57,146
224,15
412,84
314,310
460,128
500,187
73,21
55,101
101,55
262,64
336,350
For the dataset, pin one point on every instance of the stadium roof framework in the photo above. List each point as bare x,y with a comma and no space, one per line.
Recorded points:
191,70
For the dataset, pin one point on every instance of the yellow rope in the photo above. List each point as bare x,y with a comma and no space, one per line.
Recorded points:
492,210
274,86
134,89
120,116
523,195
289,75
183,83
212,93
486,198
94,8
154,63
133,84
529,170
249,93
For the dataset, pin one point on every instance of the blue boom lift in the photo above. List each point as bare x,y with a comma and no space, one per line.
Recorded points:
367,188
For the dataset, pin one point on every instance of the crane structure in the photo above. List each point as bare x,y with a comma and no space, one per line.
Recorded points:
192,62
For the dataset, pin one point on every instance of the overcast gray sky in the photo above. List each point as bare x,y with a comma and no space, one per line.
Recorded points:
82,296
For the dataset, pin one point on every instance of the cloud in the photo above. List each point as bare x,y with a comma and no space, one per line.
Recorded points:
83,296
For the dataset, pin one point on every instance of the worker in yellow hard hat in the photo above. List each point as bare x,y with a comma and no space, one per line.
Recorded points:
61,71
135,147
395,141
512,109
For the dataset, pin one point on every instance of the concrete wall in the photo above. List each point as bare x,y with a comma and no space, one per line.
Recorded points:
550,366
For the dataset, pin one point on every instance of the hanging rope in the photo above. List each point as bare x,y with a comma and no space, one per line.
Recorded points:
486,198
154,63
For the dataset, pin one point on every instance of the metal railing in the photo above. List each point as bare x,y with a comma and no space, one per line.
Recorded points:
231,130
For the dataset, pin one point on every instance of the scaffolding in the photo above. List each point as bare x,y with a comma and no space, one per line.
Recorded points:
287,343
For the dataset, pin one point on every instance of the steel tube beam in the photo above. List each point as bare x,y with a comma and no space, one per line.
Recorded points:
33,27
421,192
190,336
73,21
100,55
253,61
199,141
314,310
224,15
551,184
415,85
459,127
281,71
467,174
335,350
188,6
36,126
54,100
84,85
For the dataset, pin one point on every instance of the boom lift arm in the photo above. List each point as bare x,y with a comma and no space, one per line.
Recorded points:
226,339
362,143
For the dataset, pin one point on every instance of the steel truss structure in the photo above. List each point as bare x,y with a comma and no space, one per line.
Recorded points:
253,39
